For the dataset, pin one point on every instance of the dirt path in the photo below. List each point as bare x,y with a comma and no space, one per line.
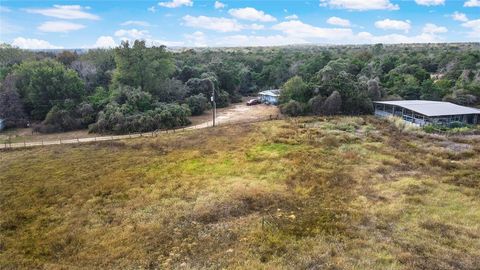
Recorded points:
233,114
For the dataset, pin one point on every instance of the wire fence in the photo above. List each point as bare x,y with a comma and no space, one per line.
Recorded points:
60,141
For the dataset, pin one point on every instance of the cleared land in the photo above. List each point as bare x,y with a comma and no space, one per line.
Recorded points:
309,193
236,113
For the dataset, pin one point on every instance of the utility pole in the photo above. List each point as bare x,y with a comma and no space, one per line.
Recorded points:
212,98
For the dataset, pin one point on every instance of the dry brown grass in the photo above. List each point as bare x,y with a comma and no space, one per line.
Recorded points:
305,193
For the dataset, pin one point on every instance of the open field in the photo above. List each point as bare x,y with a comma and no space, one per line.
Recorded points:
306,193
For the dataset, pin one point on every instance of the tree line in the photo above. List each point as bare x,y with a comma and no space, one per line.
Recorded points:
138,88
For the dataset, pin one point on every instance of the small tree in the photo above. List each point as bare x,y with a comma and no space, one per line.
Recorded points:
292,108
11,107
374,91
295,88
332,104
197,104
316,104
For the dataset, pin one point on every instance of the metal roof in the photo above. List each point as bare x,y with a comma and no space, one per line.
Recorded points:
432,108
273,93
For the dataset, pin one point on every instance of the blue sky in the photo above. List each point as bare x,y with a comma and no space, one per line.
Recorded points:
198,23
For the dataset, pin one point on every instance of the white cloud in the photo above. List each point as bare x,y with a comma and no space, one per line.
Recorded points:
251,14
105,42
197,39
132,34
4,9
254,26
137,23
219,5
176,3
360,5
219,24
159,42
461,17
472,3
33,44
152,9
430,2
253,40
338,21
388,24
367,38
68,12
292,17
474,25
428,35
431,28
302,30
59,27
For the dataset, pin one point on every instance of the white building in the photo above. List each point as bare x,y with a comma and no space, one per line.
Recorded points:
424,112
270,96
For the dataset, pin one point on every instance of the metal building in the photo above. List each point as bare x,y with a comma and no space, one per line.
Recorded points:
424,112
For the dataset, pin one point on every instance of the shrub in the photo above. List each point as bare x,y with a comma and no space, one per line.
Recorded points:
116,119
197,104
222,99
332,104
316,104
59,119
292,108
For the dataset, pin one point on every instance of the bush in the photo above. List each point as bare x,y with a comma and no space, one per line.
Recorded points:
116,119
292,108
222,99
197,104
316,104
332,104
59,119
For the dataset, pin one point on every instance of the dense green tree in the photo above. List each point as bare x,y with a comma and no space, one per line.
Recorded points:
43,84
197,104
295,89
66,57
171,90
139,66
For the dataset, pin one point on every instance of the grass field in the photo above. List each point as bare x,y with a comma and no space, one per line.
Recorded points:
308,193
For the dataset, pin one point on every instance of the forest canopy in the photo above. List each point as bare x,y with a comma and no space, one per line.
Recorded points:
138,88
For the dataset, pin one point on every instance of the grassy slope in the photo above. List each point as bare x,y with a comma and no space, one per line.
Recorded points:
349,193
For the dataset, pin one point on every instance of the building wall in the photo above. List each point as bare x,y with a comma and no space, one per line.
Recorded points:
269,99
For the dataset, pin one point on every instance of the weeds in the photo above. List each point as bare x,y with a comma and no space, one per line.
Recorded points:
308,193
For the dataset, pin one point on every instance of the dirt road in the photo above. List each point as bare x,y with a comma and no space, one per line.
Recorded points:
233,114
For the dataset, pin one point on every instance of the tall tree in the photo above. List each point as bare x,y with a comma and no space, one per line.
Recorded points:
139,66
11,107
43,84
